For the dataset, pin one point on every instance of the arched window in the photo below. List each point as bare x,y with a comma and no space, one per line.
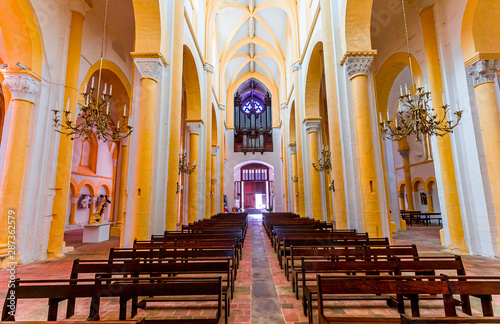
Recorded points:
252,105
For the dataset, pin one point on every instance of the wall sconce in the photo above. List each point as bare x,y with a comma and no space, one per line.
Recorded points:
295,179
184,164
297,194
213,181
331,186
211,194
179,189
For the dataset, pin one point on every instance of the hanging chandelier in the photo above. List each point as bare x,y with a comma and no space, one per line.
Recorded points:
184,164
415,114
324,162
93,116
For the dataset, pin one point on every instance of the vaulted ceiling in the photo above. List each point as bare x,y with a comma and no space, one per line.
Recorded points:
251,37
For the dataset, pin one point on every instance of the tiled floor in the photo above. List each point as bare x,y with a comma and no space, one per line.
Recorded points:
262,293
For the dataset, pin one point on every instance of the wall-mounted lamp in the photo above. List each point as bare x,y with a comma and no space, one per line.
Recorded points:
179,188
295,179
331,186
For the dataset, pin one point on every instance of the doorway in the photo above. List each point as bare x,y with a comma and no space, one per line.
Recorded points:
255,187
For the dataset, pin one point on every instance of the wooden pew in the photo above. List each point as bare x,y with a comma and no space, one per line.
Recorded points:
206,289
410,287
154,268
318,235
423,266
444,320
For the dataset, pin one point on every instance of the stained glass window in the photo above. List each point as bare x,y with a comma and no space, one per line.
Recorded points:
247,107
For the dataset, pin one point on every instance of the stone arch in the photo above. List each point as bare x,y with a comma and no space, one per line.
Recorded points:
112,67
357,33
22,38
72,187
90,184
416,183
106,186
481,31
387,74
149,27
191,81
313,83
429,183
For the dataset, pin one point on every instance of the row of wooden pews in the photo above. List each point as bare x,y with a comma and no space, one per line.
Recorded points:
330,266
197,264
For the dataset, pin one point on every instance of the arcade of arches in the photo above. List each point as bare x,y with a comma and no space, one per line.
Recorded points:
251,90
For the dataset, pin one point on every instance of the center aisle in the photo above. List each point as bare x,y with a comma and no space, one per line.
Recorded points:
262,294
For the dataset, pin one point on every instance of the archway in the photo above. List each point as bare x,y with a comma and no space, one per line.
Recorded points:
253,181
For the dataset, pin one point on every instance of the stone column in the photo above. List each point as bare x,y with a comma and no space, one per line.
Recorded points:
92,210
213,175
65,154
24,87
194,129
209,202
121,197
405,154
295,183
172,209
284,156
150,71
74,202
298,138
312,129
451,198
357,70
402,203
430,202
483,77
340,213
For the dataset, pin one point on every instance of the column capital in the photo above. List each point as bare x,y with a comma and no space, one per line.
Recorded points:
484,71
75,199
296,66
312,125
149,67
293,148
284,106
208,67
358,65
124,140
222,107
194,127
21,84
215,150
80,6
405,154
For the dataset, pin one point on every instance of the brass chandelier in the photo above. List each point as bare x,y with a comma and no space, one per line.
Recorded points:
324,162
414,114
94,114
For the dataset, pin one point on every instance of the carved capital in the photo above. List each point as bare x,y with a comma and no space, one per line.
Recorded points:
296,66
420,5
149,67
284,106
405,154
312,125
21,85
484,71
124,140
208,67
215,150
194,127
222,107
293,148
358,65
74,200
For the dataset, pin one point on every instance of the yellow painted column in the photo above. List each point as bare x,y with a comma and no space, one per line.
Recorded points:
121,197
284,158
23,88
295,181
74,202
222,160
213,180
194,129
430,202
150,70
208,168
93,200
337,173
402,203
312,129
298,138
483,75
405,154
172,209
451,198
65,155
357,69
